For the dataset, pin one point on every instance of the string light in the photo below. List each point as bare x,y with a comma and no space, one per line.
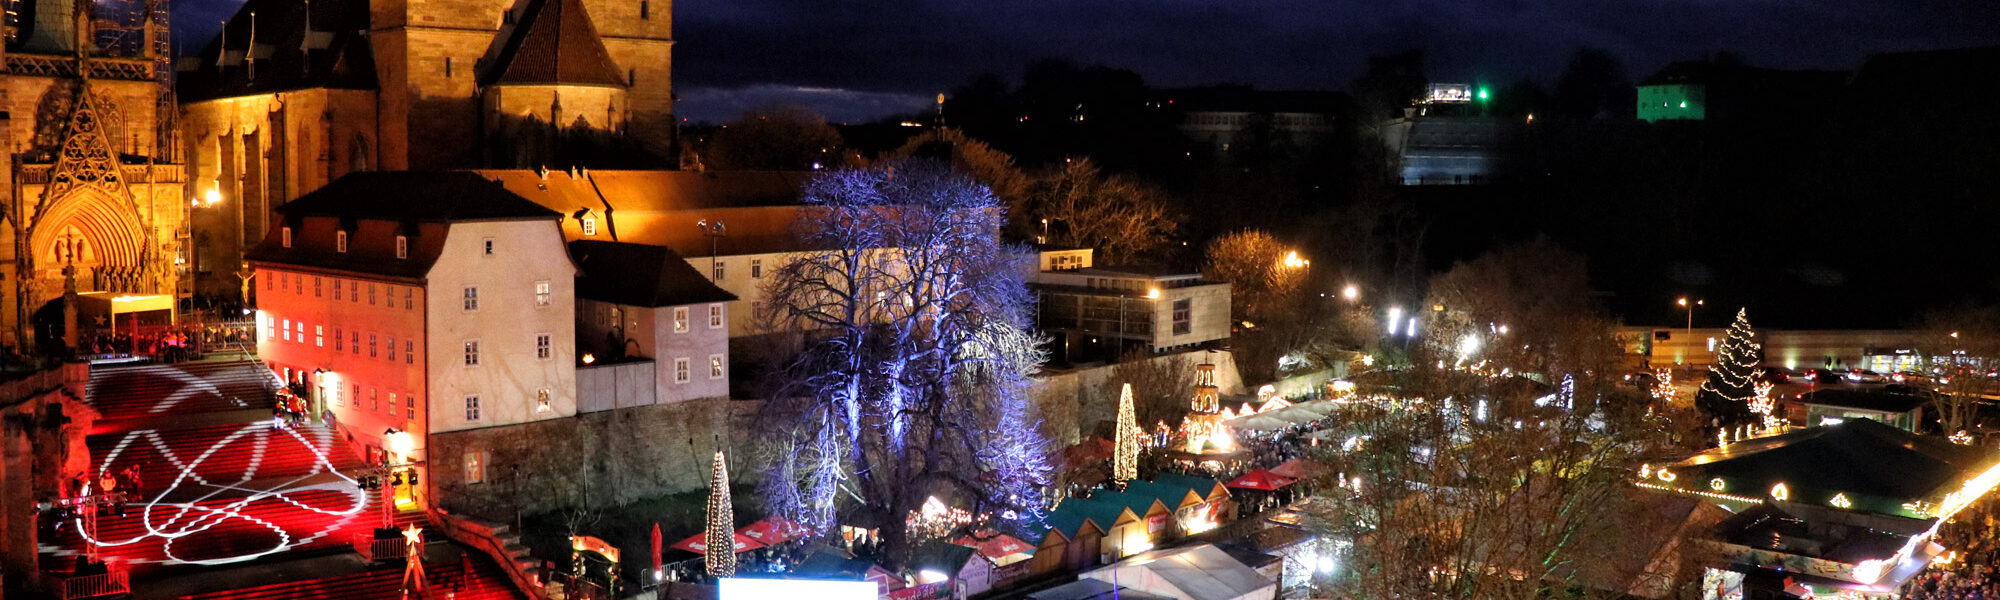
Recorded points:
721,536
1125,457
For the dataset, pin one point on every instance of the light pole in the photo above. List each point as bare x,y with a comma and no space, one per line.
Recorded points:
714,231
1683,301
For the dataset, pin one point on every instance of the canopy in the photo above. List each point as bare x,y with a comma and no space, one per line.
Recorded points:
1202,571
697,544
772,530
1259,479
1264,422
995,545
1296,468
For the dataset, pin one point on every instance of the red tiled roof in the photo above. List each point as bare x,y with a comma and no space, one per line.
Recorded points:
555,43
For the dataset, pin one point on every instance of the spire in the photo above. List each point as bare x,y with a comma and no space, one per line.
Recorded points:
555,43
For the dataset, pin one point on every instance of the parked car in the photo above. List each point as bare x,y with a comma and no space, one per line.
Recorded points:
1813,376
1910,377
1865,376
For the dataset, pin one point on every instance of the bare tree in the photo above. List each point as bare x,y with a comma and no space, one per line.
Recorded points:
778,137
1122,219
1503,469
1961,346
913,376
1255,264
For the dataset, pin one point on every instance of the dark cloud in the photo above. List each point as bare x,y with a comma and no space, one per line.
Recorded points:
924,46
735,51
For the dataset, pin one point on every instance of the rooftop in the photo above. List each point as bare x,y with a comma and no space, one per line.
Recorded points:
555,43
440,196
639,275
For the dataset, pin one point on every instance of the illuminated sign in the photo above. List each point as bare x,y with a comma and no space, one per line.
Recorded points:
1449,92
737,588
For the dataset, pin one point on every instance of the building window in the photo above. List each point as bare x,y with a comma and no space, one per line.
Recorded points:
409,352
402,246
392,404
410,407
374,402
1183,313
714,316
589,226
302,332
389,346
541,293
680,319
544,346
371,294
475,462
355,343
472,353
614,317
542,402
645,9
409,298
354,291
336,289
316,287
371,345
447,67
285,237
471,297
714,366
756,268
336,337
488,245
472,408
319,336
299,285
288,330
680,370
340,241
717,269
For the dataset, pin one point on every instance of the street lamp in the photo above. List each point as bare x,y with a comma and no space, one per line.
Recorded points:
1683,301
1351,292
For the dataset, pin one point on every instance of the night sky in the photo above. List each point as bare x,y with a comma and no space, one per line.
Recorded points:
860,60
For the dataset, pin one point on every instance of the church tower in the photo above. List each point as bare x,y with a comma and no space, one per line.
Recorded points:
295,93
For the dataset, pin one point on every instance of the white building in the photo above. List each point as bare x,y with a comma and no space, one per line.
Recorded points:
426,303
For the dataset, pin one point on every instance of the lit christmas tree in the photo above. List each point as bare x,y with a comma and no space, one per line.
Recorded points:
1731,380
1125,455
721,539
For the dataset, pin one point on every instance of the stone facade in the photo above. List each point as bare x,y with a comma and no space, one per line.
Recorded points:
93,195
431,95
596,459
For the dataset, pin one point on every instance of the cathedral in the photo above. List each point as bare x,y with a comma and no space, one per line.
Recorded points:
136,173
95,197
295,93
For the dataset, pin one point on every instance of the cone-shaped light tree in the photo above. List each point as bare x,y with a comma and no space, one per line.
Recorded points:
1125,455
1731,380
721,539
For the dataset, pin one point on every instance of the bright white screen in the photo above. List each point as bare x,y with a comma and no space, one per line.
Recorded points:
765,589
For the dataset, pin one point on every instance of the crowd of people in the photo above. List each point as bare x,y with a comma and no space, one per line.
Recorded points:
1971,570
174,343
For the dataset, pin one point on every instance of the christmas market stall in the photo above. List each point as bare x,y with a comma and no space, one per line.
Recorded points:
1851,508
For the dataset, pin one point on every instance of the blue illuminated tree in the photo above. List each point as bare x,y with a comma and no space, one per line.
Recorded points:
914,353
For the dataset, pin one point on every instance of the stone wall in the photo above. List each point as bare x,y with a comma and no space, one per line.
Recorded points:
1074,404
595,459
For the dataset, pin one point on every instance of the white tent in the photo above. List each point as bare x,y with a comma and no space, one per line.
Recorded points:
1201,572
1264,422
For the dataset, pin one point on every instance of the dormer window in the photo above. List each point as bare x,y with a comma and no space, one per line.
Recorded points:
402,246
589,226
285,237
340,241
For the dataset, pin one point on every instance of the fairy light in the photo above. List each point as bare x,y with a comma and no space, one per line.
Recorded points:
1125,461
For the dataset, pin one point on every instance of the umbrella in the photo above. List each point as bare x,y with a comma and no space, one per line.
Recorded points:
1296,468
1259,480
772,530
656,548
998,545
697,544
